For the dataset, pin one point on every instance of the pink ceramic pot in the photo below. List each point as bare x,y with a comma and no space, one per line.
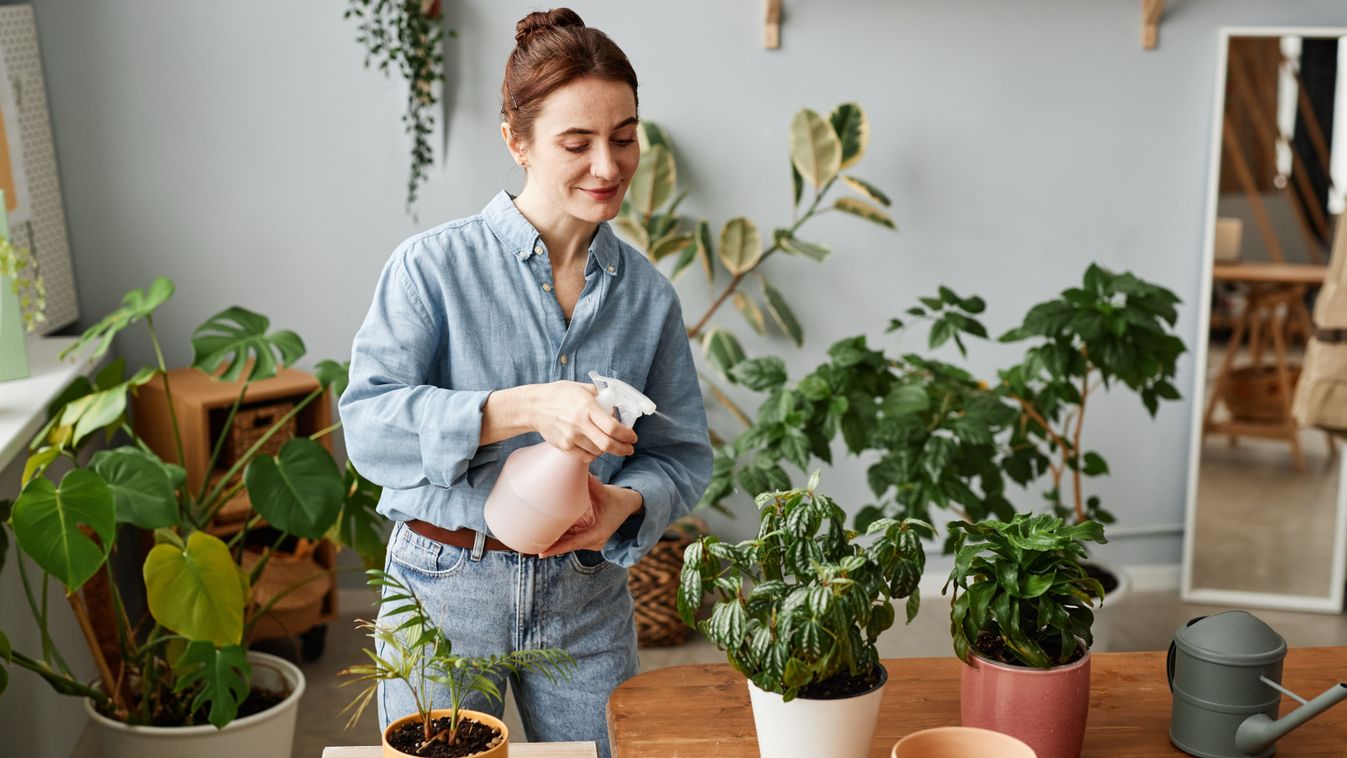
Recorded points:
1045,708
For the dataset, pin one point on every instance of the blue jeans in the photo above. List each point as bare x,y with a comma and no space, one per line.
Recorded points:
496,602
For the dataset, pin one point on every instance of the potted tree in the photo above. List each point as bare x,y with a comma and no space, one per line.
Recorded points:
1020,618
798,611
418,654
179,675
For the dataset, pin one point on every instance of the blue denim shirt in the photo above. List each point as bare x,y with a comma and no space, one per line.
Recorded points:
467,308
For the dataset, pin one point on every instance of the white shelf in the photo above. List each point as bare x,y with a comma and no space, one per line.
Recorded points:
23,402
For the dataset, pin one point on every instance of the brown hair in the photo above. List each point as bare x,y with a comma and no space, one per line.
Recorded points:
552,49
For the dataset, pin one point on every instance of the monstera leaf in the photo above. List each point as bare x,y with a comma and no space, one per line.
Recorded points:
141,485
333,376
299,491
223,675
360,526
236,336
136,305
47,521
195,589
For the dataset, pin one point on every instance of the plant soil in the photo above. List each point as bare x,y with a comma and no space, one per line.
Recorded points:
258,700
1106,578
473,737
993,648
842,685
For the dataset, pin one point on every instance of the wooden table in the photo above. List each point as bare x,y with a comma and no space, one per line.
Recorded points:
517,750
703,710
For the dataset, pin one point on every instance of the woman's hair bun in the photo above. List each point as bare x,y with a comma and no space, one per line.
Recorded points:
538,21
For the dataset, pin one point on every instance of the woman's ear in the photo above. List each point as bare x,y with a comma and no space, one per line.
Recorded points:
513,145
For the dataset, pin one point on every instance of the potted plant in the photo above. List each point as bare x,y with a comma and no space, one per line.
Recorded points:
798,612
22,302
1020,617
179,673
417,653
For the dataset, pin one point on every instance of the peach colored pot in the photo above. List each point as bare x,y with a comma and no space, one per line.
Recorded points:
960,742
1046,708
501,750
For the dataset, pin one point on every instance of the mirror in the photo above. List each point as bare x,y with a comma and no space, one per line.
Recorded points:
1267,509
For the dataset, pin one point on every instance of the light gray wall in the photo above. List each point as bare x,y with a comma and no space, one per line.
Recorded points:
241,149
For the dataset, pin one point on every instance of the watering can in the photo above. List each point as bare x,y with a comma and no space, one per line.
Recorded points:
1225,673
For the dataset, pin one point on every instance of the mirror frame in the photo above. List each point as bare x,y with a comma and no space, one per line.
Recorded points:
1333,602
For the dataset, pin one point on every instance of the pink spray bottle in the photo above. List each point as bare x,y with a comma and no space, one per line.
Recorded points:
541,490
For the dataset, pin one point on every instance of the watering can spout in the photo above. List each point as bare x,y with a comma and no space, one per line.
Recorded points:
1257,733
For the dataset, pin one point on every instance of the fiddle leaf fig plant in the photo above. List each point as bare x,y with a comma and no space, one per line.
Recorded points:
946,439
183,663
1021,595
802,605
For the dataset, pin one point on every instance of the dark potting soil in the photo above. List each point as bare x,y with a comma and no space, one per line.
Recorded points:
842,685
992,647
473,737
258,700
1106,578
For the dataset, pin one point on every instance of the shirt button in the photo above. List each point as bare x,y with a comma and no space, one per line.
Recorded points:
537,248
547,286
612,269
563,359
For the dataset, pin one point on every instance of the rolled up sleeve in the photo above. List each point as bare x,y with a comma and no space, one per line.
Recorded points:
402,431
672,463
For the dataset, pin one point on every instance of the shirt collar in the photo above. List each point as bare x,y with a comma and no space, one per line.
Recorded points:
523,240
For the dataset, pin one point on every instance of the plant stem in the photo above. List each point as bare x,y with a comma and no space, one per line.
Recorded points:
168,390
324,432
219,442
66,683
49,652
1080,425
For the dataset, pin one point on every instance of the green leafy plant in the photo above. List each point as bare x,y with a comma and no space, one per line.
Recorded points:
18,271
1021,595
947,440
186,654
804,602
407,35
420,655
820,150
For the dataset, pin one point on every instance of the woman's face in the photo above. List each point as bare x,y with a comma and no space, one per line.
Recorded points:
583,150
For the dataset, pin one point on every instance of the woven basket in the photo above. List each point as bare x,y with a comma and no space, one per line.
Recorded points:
1253,394
309,581
237,509
654,587
252,422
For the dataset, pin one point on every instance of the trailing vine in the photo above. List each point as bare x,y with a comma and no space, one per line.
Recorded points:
407,35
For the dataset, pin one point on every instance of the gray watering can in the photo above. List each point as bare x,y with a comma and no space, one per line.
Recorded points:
1225,672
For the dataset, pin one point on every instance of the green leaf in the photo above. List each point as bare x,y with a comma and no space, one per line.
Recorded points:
360,526
634,231
740,246
705,251
864,210
223,675
195,590
669,244
653,183
47,520
906,398
852,128
685,259
721,350
748,308
141,486
136,305
782,314
1094,464
760,374
235,336
100,409
813,250
333,376
797,183
867,189
814,148
299,491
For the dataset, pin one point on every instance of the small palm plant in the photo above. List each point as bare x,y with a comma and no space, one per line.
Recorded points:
420,654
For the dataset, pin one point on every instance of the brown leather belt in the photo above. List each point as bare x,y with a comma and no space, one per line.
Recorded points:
464,538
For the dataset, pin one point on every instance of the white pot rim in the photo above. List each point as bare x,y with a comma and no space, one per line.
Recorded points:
288,670
883,680
1031,670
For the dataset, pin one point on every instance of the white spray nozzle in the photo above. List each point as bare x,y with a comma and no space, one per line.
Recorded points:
617,395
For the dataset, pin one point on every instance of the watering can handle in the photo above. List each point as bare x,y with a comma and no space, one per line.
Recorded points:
1169,664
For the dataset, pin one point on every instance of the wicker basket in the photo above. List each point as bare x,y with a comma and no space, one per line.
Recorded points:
234,512
250,423
654,587
1253,394
309,583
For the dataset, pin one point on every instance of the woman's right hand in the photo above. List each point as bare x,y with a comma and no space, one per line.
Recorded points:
568,417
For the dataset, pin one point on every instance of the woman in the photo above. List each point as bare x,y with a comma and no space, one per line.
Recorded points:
479,341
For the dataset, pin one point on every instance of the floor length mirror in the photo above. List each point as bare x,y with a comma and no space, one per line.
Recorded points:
1267,506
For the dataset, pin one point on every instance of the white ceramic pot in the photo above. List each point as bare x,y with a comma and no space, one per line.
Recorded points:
1106,616
803,728
269,734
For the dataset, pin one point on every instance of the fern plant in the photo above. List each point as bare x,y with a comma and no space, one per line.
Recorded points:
422,655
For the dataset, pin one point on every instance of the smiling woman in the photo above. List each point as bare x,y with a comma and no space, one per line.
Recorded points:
471,350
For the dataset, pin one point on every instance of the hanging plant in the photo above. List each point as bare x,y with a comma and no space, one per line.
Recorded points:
406,35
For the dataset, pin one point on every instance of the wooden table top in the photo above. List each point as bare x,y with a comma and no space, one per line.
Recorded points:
1276,273
703,710
517,750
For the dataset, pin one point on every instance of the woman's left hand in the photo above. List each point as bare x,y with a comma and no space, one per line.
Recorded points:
609,506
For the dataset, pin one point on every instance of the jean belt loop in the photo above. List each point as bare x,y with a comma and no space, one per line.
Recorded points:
478,545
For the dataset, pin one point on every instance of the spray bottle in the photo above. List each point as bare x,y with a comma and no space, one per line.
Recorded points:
541,490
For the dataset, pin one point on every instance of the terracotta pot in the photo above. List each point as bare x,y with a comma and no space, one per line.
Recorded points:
501,750
960,742
807,728
1046,708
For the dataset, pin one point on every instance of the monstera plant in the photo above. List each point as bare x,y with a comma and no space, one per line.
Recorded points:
184,662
